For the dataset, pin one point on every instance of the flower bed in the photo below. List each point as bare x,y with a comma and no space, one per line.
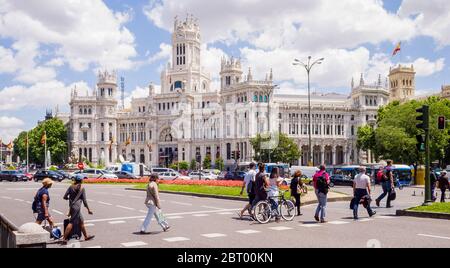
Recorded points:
174,182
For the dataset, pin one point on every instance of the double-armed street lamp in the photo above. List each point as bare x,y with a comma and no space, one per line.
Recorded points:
308,68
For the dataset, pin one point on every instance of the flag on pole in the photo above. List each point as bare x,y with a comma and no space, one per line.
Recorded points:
44,138
10,145
128,142
397,49
111,141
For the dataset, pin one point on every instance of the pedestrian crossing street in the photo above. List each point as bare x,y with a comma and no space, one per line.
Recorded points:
259,230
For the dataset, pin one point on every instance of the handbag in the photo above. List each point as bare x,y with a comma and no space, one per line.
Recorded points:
77,197
393,195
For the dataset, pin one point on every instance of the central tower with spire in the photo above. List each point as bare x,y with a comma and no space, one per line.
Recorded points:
184,72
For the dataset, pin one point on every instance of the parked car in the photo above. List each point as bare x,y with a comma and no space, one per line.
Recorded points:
287,181
53,175
170,176
235,176
64,174
210,174
95,174
12,175
125,175
198,175
222,175
161,170
339,179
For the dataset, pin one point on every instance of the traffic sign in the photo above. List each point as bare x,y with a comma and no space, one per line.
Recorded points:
80,166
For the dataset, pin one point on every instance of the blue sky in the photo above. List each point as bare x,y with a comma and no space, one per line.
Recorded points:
48,47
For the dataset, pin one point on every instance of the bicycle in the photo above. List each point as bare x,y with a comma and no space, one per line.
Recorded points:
263,212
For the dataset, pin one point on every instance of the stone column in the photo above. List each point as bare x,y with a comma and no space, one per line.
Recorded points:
322,154
333,151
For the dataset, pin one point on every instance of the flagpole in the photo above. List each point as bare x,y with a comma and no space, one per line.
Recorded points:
28,170
45,150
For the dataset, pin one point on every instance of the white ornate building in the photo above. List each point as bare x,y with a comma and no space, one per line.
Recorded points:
189,120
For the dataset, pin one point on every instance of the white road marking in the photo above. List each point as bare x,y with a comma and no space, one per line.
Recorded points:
29,202
90,200
57,212
89,225
104,203
247,231
176,239
434,236
174,217
116,222
6,197
211,207
20,200
168,214
200,215
338,222
143,211
181,203
385,217
95,247
225,213
125,207
364,220
310,225
214,235
137,197
134,244
280,228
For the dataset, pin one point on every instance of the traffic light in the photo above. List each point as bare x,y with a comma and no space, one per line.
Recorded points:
424,117
233,155
420,143
441,122
238,154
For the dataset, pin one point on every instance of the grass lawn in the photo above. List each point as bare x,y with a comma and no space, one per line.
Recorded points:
435,207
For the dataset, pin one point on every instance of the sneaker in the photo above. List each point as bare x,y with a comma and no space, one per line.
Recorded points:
323,221
355,218
316,218
165,229
373,213
377,202
389,206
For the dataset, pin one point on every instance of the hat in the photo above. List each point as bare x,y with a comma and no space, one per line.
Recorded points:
79,177
47,182
56,233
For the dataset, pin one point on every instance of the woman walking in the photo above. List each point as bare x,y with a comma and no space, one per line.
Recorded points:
42,201
153,204
296,189
76,194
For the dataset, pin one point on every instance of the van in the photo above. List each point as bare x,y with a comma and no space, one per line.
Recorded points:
135,169
307,171
161,170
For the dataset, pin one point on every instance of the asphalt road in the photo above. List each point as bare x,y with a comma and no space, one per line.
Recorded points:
213,223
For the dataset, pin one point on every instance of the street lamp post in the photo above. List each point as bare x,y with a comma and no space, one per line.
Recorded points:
308,68
269,92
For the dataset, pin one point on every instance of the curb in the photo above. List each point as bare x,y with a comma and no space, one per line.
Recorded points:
420,214
237,198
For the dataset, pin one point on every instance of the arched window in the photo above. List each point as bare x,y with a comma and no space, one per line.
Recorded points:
260,98
204,86
255,98
178,84
265,98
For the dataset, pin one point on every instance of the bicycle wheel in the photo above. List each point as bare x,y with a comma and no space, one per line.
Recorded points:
262,212
287,209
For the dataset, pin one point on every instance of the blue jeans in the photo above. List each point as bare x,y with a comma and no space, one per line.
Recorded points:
386,191
321,207
152,211
359,193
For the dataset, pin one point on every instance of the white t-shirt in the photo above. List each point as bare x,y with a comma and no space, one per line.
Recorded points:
362,181
250,176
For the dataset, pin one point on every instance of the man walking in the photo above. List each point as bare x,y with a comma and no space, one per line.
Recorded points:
387,184
443,185
321,182
361,189
249,186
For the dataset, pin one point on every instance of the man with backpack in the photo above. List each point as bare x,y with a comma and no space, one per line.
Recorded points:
249,186
321,182
387,183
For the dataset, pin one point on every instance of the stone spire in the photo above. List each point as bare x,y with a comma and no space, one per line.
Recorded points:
353,83
249,75
361,81
379,80
271,75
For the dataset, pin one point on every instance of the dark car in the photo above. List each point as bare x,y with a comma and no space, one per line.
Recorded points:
235,176
53,175
340,180
65,175
12,175
125,175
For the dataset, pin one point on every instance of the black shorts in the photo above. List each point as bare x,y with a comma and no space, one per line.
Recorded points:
251,197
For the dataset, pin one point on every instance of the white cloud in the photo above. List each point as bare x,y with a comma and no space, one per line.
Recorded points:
303,24
11,127
165,52
8,63
425,67
82,32
41,94
432,18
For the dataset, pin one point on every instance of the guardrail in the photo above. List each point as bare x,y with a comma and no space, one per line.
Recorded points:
7,229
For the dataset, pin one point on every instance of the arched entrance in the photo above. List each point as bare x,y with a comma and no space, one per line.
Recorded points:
168,148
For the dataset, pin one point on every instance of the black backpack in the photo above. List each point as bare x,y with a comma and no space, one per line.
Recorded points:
322,184
34,205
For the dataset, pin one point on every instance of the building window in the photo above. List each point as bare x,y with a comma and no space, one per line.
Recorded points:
228,151
85,136
103,136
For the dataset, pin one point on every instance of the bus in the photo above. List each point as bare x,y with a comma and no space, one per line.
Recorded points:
283,169
402,175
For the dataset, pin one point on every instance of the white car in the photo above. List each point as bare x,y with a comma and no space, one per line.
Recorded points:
170,176
197,175
95,174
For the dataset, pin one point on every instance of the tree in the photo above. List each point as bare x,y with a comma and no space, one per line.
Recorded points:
207,162
284,149
219,164
366,139
193,165
56,134
184,165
